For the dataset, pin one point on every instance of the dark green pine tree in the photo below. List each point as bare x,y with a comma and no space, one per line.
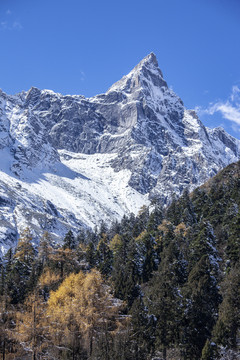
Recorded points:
227,329
233,244
208,351
126,271
104,256
201,298
141,221
69,241
119,267
2,278
91,256
181,210
203,242
188,215
150,258
172,213
165,236
164,298
143,330
155,219
131,274
201,202
18,274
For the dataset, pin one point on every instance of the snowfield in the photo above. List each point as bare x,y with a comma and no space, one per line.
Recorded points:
80,191
70,162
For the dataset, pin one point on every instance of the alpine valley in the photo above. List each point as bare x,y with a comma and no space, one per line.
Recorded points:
69,162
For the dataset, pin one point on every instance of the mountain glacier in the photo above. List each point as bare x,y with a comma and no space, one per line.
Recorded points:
69,162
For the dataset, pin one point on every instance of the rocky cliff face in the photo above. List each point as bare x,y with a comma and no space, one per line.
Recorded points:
71,161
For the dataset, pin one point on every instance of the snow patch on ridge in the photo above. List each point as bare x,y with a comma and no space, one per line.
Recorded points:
82,190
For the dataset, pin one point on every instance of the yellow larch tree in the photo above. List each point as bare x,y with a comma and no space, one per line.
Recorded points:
80,310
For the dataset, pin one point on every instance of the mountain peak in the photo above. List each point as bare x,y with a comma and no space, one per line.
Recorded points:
147,68
150,59
150,64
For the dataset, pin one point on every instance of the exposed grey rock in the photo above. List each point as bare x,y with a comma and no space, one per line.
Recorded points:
139,120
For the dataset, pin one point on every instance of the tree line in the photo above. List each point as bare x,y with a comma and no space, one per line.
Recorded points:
163,284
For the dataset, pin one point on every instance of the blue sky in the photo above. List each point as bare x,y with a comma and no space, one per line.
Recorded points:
83,47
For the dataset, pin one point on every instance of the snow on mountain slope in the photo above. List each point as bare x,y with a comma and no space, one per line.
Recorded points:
82,190
70,161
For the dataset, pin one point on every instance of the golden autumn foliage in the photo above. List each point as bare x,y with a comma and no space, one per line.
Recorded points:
140,237
164,227
32,325
49,278
181,229
115,244
80,307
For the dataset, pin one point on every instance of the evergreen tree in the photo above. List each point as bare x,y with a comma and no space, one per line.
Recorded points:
155,219
131,274
204,242
143,330
127,225
91,257
147,255
141,221
227,329
172,212
164,236
69,241
45,250
233,245
164,298
201,296
104,256
208,351
126,271
18,276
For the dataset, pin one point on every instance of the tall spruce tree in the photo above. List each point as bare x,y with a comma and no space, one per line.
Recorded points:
18,277
227,330
104,256
164,298
143,330
69,241
201,297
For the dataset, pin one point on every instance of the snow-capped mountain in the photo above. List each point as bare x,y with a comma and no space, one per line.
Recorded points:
70,161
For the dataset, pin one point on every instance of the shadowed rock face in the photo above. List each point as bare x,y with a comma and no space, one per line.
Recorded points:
139,119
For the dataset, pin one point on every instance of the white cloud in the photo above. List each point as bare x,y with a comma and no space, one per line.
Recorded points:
235,96
235,128
5,25
229,109
82,75
17,25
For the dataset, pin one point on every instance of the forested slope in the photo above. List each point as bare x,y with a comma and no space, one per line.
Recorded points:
163,284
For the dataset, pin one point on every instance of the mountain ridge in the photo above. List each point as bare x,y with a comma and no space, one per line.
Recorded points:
94,159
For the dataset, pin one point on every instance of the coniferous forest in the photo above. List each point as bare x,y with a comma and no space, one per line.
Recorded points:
161,285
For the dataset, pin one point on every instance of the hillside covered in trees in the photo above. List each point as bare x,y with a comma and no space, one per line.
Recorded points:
161,285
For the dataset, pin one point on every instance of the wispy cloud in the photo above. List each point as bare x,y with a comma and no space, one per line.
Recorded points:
229,109
9,23
3,25
82,75
15,25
